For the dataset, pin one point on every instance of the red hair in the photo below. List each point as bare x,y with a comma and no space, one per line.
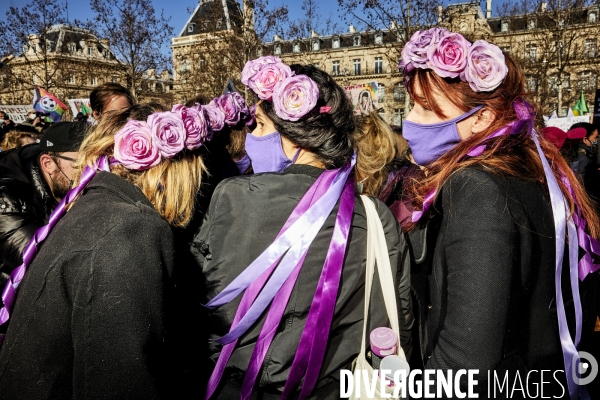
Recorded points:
510,155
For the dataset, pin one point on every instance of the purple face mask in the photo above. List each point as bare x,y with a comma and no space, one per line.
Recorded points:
428,142
243,163
266,153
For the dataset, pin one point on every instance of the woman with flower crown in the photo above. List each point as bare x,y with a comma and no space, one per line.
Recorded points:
504,233
282,252
91,314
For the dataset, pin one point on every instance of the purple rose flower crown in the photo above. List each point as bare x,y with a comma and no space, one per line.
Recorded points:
450,55
293,96
140,145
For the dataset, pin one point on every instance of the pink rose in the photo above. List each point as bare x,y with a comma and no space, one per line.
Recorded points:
449,57
233,106
195,124
263,82
294,97
253,66
215,116
414,53
486,67
168,132
134,147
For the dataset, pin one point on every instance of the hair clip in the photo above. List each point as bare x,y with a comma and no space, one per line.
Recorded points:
324,109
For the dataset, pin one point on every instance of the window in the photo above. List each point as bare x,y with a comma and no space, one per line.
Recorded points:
592,17
336,43
72,48
296,47
590,48
35,80
94,81
316,45
553,83
190,28
531,52
90,51
277,49
356,62
356,40
379,65
71,78
378,38
335,68
201,65
105,53
381,94
184,66
506,49
25,48
259,52
586,80
115,79
504,26
531,24
397,117
399,93
532,83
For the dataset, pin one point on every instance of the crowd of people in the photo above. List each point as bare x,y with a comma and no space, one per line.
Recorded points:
219,250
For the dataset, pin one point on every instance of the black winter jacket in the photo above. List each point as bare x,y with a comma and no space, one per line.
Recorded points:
489,268
25,204
90,319
245,215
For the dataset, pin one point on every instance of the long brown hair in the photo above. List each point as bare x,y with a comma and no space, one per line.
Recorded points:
170,186
376,148
509,155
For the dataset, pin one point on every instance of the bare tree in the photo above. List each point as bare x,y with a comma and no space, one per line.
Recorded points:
136,34
222,47
556,51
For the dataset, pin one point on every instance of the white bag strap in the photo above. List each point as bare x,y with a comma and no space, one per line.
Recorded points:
377,251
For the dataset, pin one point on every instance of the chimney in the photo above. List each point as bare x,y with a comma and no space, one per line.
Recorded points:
488,8
277,38
543,6
105,43
313,33
352,29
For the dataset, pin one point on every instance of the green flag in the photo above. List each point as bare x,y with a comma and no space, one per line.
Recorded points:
583,108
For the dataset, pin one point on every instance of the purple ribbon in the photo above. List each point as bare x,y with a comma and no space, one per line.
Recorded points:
9,294
276,281
577,238
311,350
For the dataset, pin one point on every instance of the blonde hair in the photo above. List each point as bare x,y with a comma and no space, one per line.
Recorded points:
171,186
11,140
376,147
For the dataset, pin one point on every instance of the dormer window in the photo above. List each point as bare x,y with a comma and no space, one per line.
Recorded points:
72,48
531,24
316,45
296,47
335,43
190,27
90,51
356,40
378,38
504,26
277,49
592,17
105,53
25,48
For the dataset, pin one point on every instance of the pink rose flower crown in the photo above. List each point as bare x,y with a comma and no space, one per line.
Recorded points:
141,145
450,55
293,96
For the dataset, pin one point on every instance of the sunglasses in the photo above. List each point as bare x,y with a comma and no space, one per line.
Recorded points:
65,158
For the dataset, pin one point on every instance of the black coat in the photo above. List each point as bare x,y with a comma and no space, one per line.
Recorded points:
90,317
25,204
489,269
245,215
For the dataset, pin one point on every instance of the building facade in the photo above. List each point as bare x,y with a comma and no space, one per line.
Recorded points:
555,46
70,62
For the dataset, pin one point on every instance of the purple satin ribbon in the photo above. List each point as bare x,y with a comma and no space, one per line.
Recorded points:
273,284
9,294
577,238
